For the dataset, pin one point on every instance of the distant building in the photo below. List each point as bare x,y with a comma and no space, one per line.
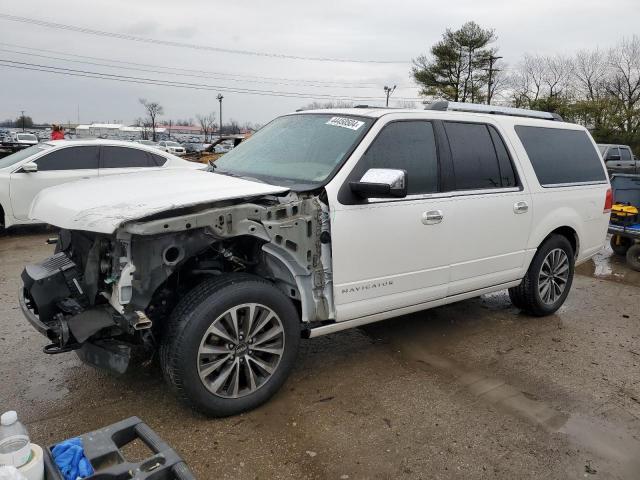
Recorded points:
113,130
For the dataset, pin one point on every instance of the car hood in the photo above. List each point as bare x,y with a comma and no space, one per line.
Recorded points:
103,204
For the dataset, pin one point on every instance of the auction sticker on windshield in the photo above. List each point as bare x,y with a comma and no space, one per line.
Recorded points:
344,122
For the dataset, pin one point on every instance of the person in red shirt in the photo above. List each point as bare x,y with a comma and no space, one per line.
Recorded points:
57,133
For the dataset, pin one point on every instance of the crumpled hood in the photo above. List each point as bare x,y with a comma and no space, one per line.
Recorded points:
103,204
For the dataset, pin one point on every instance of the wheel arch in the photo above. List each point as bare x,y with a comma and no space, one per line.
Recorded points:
565,221
570,234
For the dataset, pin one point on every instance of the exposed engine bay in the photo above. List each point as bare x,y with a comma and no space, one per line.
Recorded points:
107,296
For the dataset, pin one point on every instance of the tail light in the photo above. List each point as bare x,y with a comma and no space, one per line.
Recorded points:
608,201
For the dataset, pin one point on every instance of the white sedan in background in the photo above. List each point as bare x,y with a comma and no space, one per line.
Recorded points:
172,147
25,173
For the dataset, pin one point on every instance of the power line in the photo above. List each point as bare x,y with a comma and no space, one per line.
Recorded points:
154,41
224,74
170,83
199,74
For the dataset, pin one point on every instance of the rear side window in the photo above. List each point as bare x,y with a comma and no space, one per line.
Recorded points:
613,153
70,158
561,156
625,154
123,157
480,159
409,146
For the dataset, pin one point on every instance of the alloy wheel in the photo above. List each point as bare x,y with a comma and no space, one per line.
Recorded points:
241,350
554,275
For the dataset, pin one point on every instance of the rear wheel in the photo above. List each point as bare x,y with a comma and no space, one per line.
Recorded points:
230,344
548,280
633,257
620,245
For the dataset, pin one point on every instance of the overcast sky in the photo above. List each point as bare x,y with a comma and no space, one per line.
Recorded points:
347,29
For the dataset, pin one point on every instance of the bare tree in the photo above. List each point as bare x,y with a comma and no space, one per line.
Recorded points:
556,75
154,110
624,84
144,128
207,124
590,72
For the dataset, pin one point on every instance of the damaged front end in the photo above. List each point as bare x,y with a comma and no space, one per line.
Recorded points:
64,299
107,296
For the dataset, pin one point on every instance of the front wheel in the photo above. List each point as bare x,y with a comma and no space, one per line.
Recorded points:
547,283
230,344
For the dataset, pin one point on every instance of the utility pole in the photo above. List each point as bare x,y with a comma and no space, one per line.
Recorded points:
169,129
220,97
492,60
388,91
22,117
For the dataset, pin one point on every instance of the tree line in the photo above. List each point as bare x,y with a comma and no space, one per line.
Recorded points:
598,88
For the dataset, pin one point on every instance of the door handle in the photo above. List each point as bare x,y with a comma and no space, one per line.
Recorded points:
432,217
520,207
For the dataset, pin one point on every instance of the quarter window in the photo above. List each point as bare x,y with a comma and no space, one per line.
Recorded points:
409,146
123,157
561,156
507,173
475,158
159,160
69,158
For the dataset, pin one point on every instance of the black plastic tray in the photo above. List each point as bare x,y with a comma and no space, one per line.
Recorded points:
102,449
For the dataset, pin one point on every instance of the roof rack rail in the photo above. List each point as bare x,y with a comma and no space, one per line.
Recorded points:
443,105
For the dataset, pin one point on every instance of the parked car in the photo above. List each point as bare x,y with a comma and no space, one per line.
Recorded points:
171,147
322,221
619,159
17,141
223,147
148,143
196,147
25,173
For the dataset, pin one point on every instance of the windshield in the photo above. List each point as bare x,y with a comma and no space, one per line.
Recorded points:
303,149
173,144
27,136
22,154
602,149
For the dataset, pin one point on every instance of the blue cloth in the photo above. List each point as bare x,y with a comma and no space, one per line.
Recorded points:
70,459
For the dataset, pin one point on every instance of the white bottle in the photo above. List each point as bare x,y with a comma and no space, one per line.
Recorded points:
15,447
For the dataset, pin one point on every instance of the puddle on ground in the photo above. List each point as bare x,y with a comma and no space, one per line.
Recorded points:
612,443
609,266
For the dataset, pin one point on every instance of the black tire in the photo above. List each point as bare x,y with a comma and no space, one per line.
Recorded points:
633,257
187,327
526,296
620,245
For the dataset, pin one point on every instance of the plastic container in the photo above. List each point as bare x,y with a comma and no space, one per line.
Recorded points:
15,447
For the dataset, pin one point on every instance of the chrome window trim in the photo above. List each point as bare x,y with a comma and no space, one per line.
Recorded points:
573,184
450,194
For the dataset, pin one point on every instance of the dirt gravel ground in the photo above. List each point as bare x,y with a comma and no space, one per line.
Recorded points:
471,390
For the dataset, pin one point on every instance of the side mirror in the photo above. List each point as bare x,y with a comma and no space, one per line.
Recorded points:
613,158
381,183
30,167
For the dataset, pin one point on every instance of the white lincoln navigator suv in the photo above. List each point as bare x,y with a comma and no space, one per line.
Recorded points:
322,221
